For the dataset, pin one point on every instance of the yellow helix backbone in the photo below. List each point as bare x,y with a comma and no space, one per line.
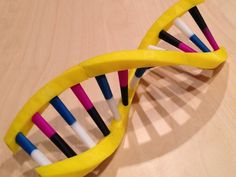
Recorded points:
87,161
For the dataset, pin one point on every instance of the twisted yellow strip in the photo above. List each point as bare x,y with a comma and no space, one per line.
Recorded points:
85,162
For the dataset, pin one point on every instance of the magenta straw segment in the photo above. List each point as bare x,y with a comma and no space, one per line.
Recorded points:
123,78
43,125
52,135
88,105
182,46
167,37
210,38
195,13
82,96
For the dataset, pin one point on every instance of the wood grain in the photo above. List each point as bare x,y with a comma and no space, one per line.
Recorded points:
182,120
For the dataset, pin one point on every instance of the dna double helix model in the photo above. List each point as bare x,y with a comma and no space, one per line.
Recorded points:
130,66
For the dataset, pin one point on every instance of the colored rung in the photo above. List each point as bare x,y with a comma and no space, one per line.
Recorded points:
195,13
199,43
113,107
190,34
44,126
80,131
140,71
138,74
175,42
123,80
70,119
98,120
62,110
88,105
31,149
106,90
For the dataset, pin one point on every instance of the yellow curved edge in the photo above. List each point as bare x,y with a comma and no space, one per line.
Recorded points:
165,21
90,159
96,66
105,64
85,162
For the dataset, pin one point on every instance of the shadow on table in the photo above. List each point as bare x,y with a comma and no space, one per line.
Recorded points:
170,111
181,100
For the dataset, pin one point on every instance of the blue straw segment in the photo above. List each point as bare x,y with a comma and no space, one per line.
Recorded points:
62,110
104,86
70,119
140,71
199,43
25,143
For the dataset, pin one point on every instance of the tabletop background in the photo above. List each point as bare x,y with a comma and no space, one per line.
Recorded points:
183,120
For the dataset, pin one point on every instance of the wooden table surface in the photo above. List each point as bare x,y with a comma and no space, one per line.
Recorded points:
183,120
